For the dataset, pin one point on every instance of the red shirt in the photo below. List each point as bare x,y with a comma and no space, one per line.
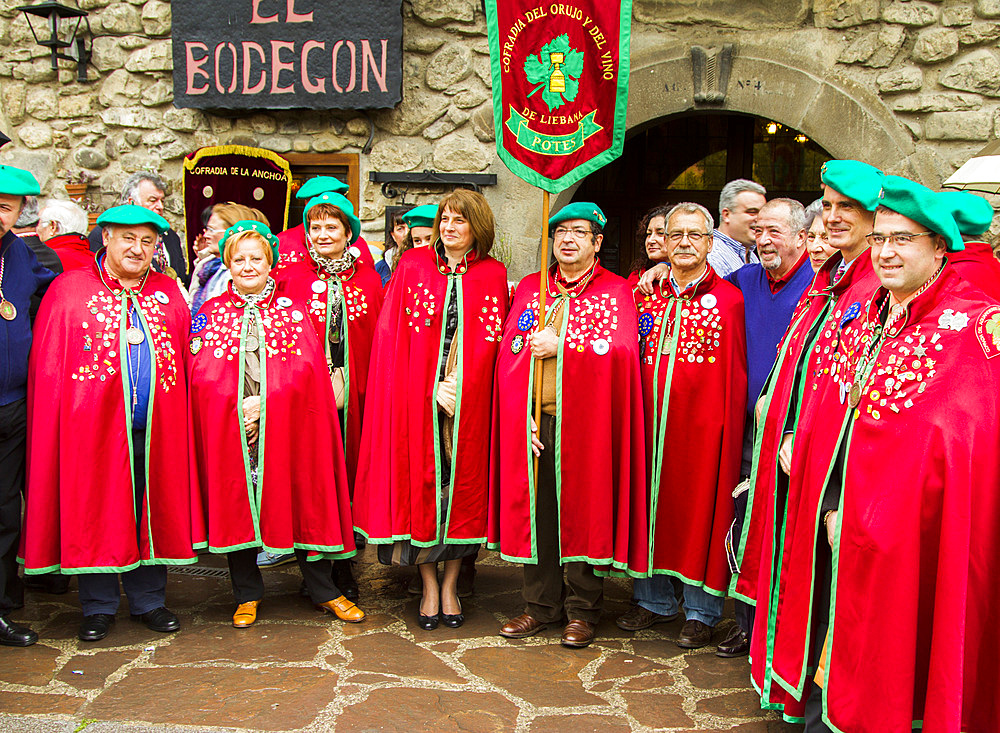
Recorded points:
777,283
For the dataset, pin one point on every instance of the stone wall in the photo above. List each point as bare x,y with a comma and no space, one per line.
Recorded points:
931,70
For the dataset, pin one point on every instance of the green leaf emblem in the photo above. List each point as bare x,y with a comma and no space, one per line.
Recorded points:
556,70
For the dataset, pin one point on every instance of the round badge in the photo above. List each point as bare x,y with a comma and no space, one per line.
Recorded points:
297,316
318,286
516,344
853,312
198,323
283,302
601,347
708,301
354,251
645,324
219,353
161,296
526,321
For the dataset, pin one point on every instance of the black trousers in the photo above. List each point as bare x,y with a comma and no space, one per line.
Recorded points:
744,611
13,432
546,594
248,583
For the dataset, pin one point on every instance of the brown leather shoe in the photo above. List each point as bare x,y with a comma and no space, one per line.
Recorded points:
246,614
521,627
578,634
637,618
736,644
344,610
694,635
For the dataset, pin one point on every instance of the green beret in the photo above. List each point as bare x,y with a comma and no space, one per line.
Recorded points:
854,179
919,203
18,182
133,215
972,213
421,216
580,210
321,184
342,203
250,225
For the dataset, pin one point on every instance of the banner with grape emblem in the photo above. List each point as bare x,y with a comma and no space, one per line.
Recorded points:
560,86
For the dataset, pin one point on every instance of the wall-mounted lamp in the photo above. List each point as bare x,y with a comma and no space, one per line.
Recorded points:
62,31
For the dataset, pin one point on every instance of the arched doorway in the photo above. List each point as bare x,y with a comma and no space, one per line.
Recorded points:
690,157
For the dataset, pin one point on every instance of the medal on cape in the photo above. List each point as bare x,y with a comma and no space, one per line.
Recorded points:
709,301
645,324
318,286
516,344
251,343
199,323
526,321
283,302
162,297
134,335
601,347
853,312
7,310
196,344
855,395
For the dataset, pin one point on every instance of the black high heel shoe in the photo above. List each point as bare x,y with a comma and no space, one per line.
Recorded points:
428,623
453,620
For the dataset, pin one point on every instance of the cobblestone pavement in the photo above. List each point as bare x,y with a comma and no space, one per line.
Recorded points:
297,669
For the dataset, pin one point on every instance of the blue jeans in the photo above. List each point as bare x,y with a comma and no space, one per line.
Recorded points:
656,594
145,587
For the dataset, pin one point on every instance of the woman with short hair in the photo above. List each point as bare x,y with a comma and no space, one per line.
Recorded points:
264,420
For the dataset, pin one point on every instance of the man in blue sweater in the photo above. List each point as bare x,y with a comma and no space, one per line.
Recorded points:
771,288
21,278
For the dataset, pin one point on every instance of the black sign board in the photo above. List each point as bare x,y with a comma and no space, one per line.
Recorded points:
287,54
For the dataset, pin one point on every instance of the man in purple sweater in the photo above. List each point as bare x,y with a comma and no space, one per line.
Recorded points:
770,288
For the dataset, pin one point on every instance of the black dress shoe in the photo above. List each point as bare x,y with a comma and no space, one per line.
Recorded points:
737,644
343,578
428,623
159,619
12,634
95,627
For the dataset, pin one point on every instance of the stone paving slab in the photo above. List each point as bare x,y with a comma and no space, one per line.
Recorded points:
301,670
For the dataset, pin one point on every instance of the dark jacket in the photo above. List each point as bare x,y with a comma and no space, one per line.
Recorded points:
23,278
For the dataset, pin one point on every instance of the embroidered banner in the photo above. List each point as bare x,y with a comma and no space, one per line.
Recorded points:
560,86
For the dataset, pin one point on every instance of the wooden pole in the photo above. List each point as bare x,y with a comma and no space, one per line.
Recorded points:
542,290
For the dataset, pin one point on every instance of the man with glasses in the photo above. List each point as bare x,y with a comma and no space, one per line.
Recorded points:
109,488
799,410
694,371
909,517
587,511
770,290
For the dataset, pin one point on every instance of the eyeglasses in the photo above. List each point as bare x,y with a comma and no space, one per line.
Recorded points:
575,233
692,237
904,238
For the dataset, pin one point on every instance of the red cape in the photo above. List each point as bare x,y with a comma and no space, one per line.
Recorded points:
79,514
362,288
699,401
978,265
301,500
919,525
293,250
73,251
820,323
601,472
398,494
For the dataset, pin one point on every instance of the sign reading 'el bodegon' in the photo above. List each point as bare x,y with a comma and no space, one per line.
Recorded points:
287,54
